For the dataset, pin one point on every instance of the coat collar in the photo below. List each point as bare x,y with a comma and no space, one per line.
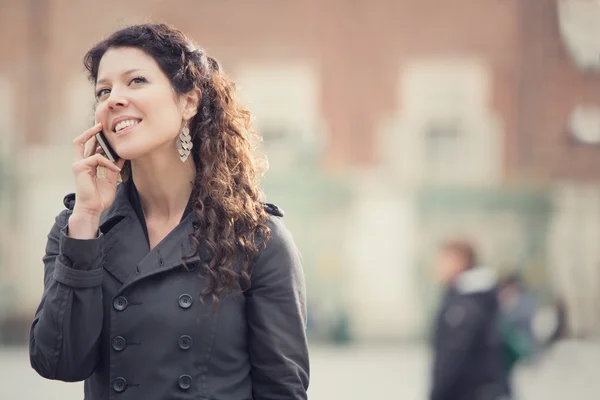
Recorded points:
127,256
126,252
476,280
121,207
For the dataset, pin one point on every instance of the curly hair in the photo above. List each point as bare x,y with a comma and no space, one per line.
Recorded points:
227,200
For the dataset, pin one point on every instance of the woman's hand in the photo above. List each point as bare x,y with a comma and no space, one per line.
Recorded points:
95,184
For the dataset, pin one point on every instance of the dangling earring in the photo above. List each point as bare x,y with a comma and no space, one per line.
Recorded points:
184,144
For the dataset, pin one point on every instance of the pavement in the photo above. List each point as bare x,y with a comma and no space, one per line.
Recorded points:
570,371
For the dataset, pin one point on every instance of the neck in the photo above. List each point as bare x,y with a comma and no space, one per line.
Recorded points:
164,184
455,277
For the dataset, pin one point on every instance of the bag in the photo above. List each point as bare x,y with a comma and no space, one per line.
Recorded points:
517,344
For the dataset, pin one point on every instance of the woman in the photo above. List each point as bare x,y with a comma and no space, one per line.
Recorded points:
175,283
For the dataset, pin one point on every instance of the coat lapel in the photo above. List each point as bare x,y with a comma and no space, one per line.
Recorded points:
168,254
124,241
127,255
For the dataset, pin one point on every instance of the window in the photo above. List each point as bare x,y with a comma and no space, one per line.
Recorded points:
584,124
283,97
579,28
446,132
443,142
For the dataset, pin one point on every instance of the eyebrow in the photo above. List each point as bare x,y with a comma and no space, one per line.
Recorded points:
129,71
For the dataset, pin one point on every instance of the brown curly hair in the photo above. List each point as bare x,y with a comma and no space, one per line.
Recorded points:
231,220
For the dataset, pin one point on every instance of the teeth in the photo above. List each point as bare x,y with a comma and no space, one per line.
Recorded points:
124,124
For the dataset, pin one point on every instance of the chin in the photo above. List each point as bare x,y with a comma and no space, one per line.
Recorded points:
128,153
139,148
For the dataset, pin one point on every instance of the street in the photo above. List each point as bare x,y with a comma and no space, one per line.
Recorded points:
570,371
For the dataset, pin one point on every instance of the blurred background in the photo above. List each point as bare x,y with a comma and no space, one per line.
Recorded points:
389,125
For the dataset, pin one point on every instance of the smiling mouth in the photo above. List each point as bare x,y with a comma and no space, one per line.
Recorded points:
126,125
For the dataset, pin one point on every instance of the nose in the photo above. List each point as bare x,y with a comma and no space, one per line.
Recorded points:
116,100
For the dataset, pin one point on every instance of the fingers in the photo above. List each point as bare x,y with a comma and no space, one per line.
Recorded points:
80,141
111,174
89,147
91,163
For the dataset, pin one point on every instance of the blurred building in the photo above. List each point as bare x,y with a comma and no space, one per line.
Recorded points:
389,124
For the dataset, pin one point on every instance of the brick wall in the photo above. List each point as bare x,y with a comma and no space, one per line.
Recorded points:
359,47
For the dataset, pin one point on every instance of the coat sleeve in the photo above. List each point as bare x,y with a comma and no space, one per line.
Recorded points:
460,325
65,333
276,311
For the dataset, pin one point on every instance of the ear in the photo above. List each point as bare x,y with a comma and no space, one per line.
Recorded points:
190,102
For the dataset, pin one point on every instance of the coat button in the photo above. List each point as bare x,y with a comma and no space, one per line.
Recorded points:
119,385
119,343
185,382
185,342
120,303
185,301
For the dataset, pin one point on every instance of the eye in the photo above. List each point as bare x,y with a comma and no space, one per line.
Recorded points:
138,79
102,93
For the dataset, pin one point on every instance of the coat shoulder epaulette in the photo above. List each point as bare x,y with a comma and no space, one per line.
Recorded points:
273,210
69,201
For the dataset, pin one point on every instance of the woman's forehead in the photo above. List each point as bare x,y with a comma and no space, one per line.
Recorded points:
122,60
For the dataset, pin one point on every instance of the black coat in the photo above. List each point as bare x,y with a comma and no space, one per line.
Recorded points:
468,361
131,322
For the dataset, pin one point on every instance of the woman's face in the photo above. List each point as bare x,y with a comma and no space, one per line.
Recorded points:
136,104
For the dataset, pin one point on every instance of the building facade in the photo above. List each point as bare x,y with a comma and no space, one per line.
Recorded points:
389,125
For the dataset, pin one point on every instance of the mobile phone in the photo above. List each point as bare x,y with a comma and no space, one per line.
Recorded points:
110,153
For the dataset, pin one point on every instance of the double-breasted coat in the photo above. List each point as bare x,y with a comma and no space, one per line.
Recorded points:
131,322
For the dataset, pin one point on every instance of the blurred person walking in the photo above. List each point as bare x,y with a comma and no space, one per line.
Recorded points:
180,282
467,362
